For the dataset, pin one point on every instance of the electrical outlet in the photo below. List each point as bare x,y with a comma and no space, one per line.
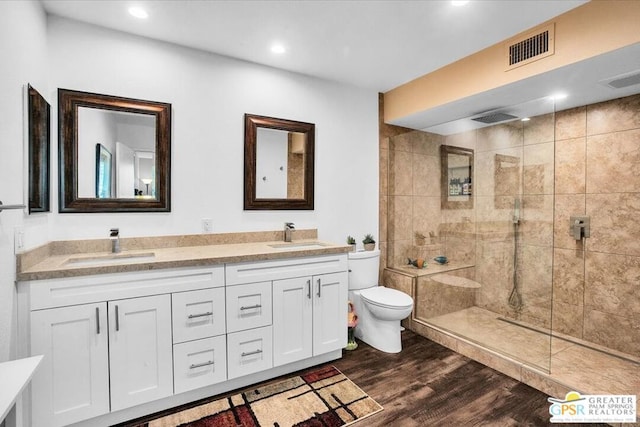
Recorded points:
18,239
207,225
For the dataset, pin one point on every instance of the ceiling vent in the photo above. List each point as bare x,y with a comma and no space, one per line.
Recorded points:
623,80
494,118
530,47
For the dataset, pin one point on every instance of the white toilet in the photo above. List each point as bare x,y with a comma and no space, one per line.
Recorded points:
379,309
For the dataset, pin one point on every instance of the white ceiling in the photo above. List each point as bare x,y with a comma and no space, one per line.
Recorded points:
377,45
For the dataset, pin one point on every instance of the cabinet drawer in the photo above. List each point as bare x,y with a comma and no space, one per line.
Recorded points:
198,314
199,363
248,306
249,352
248,272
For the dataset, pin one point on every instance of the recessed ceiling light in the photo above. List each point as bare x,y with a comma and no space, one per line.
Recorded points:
459,2
278,48
525,119
138,12
558,96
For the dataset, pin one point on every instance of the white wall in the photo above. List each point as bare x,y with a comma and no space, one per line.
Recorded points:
22,61
210,95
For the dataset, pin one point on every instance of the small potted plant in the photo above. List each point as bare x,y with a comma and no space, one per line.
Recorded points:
351,241
369,242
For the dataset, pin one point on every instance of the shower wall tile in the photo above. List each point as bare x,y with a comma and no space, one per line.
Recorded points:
612,284
568,276
426,215
464,140
616,332
535,268
612,161
428,144
400,211
499,137
536,226
567,205
460,249
400,173
402,142
426,175
614,223
384,143
384,172
383,205
571,123
614,116
494,272
538,129
402,249
567,318
384,246
570,173
538,168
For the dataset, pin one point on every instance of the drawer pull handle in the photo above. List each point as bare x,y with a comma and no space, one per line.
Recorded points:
319,289
251,353
309,289
249,307
98,320
117,320
200,365
193,316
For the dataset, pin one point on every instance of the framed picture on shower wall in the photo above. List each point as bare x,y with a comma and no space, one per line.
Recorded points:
456,177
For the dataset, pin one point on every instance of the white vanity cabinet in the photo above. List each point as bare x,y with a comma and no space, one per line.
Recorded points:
309,316
118,346
72,383
140,347
309,303
106,340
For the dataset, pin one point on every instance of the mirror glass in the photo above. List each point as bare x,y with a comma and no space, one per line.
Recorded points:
114,153
278,163
456,177
39,142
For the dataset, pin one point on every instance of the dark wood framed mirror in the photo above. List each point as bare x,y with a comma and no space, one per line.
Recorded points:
135,132
39,142
456,177
278,164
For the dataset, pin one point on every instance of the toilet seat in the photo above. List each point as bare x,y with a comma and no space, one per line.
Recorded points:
386,297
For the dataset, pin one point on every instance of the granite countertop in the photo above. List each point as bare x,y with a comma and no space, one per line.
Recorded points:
54,264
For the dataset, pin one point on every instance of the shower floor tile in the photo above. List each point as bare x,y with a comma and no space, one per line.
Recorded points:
581,368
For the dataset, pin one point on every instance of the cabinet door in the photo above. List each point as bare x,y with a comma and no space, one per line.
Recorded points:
140,350
292,318
329,312
72,384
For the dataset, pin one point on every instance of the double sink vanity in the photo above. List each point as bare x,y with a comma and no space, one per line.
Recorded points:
170,320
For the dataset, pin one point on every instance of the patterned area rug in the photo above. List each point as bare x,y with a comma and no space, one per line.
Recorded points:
324,397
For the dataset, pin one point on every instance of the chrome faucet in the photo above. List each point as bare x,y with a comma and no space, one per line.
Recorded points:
114,235
288,229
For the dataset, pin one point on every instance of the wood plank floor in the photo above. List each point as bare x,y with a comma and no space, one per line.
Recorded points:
429,385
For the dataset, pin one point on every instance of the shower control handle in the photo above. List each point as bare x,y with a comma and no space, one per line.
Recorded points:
580,227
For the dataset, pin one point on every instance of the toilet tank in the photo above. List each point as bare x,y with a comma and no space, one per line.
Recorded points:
363,269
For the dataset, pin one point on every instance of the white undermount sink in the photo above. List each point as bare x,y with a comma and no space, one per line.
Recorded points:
110,259
298,245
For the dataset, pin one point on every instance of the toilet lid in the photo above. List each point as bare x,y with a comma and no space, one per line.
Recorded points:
386,296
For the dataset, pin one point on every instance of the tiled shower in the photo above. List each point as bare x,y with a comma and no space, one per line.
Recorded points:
567,296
